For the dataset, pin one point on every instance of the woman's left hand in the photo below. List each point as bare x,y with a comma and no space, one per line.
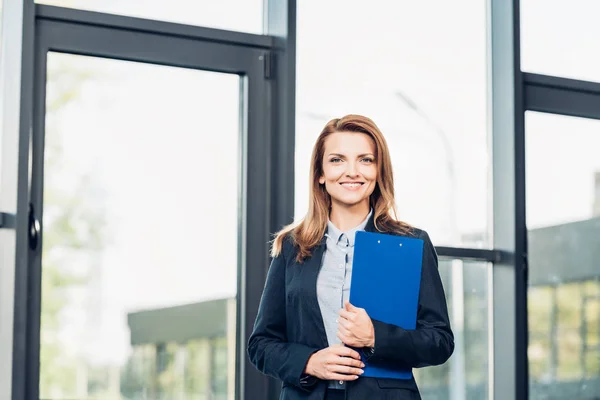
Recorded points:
355,327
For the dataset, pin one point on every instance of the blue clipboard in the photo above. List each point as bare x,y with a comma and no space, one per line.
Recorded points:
386,279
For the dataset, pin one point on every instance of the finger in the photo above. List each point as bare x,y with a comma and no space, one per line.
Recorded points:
346,315
349,362
346,370
350,307
349,340
344,339
344,323
344,331
342,350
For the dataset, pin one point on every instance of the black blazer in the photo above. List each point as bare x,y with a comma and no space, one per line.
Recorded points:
289,328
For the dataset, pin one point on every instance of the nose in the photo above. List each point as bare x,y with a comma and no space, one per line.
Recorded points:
352,170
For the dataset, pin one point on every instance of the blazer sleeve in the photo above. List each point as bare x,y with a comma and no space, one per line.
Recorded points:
268,348
432,342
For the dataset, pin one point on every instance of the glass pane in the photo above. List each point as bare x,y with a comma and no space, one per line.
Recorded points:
1,28
2,79
563,221
559,38
233,15
138,299
421,76
465,375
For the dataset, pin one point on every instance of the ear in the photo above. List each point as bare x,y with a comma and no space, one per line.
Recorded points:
322,180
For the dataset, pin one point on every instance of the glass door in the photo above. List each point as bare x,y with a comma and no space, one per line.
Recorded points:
141,167
139,273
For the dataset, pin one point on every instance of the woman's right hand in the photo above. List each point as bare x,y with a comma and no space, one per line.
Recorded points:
337,362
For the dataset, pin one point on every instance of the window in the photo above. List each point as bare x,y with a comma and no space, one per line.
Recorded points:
465,375
2,77
235,15
128,280
563,222
560,38
421,76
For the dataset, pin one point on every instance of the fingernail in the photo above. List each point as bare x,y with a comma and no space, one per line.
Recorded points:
361,372
362,365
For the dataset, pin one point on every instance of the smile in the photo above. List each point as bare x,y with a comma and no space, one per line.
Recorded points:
351,185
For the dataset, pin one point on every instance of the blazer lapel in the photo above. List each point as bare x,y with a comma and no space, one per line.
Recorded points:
370,227
312,266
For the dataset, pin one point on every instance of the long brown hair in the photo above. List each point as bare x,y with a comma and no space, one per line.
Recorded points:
308,232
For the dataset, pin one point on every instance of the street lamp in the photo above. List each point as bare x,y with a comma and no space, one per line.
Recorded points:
449,157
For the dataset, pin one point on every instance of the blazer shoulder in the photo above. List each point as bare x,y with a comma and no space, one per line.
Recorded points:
428,246
420,234
288,247
413,233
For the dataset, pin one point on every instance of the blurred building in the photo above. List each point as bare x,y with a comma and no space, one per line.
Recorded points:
184,352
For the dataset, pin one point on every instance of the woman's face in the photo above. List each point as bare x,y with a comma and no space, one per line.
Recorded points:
349,168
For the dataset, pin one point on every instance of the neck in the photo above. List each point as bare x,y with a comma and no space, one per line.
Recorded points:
345,218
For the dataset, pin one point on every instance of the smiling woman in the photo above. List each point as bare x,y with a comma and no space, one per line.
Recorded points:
306,333
354,136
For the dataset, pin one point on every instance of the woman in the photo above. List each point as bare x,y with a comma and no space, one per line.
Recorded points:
305,332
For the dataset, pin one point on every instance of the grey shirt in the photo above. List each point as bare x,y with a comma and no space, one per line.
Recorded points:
333,282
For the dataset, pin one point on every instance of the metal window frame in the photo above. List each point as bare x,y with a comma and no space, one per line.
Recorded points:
509,369
556,95
471,254
71,15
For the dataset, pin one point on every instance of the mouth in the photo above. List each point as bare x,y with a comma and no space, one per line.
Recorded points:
351,185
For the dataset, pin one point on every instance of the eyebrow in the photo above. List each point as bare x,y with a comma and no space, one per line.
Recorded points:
343,156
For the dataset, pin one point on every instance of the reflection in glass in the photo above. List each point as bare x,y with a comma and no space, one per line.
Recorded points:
139,269
465,375
421,76
563,220
234,15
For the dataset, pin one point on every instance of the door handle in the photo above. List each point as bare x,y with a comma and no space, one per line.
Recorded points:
34,229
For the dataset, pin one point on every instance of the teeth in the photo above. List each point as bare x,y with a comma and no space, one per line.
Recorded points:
352,185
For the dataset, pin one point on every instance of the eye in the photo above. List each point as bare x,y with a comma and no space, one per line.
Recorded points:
335,160
368,160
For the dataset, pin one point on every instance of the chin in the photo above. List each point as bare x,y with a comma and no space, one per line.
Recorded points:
350,202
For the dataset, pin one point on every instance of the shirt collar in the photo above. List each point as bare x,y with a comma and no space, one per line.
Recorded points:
346,237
